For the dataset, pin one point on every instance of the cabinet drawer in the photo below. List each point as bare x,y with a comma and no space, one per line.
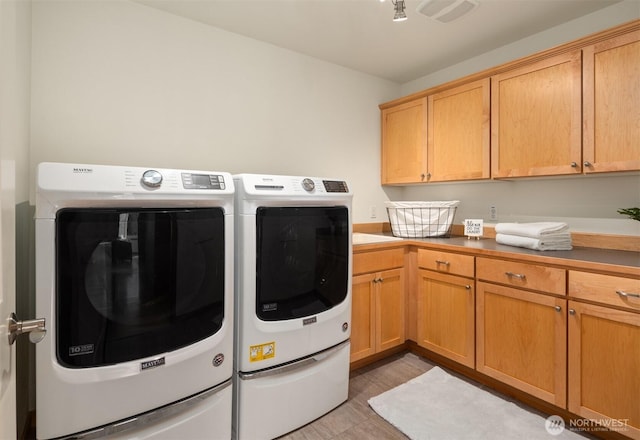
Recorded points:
378,260
446,262
525,275
607,289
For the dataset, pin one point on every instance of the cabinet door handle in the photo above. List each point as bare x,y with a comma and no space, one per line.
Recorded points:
468,287
558,308
572,312
574,165
515,275
446,263
624,294
587,163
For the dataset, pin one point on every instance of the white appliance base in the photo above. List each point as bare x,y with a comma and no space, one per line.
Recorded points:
271,405
197,418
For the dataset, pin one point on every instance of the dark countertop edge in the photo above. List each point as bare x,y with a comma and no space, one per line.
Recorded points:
600,260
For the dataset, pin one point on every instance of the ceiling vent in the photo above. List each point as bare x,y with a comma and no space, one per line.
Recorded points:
446,10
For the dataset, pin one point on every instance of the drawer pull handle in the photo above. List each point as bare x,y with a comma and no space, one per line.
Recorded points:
624,294
446,263
515,275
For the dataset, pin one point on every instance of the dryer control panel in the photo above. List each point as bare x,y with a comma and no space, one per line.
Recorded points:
202,181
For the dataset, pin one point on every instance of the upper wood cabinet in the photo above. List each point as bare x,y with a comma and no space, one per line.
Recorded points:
611,99
458,133
536,118
443,137
404,143
570,110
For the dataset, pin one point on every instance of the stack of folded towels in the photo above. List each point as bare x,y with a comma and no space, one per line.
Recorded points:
540,236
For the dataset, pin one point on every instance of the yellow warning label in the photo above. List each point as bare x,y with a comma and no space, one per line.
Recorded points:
262,352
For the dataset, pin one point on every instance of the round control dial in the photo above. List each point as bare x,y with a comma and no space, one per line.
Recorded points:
308,184
151,178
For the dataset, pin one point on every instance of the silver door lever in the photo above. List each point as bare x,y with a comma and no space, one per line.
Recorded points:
35,328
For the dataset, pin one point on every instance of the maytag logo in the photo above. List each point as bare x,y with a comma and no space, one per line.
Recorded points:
83,170
152,363
309,321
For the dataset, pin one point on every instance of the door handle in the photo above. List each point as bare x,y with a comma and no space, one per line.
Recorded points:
35,328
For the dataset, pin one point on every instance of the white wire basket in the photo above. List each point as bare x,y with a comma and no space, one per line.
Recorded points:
421,219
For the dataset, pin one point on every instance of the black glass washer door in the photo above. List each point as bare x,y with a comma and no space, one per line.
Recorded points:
302,260
136,283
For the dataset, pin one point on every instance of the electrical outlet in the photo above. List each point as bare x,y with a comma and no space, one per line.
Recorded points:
493,213
373,212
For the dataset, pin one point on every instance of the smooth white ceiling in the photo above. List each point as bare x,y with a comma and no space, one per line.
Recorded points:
360,34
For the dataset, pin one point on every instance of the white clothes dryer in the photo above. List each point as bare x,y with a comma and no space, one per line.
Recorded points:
134,277
293,302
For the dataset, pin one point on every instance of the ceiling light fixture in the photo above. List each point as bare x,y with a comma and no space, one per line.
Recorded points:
399,8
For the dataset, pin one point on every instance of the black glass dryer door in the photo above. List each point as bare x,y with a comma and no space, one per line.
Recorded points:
136,283
302,260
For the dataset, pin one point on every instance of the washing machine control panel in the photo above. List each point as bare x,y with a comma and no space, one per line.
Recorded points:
203,181
151,178
308,184
339,186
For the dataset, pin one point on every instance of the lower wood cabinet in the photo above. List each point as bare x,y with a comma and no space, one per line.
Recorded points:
604,350
568,337
604,366
378,303
445,305
521,340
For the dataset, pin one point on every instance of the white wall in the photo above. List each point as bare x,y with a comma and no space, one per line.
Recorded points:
122,83
586,203
15,40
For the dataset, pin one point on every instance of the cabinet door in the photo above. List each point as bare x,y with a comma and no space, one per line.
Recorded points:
458,133
536,123
604,361
521,340
404,143
363,338
612,105
390,309
446,316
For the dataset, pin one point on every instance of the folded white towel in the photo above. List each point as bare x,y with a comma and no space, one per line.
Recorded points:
533,230
555,243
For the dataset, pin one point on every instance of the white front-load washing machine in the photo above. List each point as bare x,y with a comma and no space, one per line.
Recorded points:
134,277
293,302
